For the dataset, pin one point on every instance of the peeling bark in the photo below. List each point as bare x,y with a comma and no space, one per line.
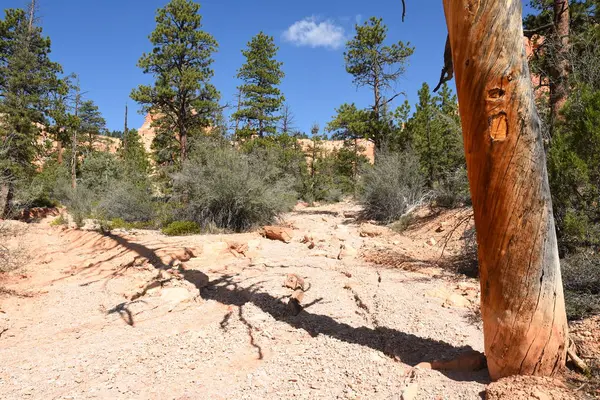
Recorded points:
522,302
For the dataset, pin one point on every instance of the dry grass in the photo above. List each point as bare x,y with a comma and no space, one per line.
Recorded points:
13,254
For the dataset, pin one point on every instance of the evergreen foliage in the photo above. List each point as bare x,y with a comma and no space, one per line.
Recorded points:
574,172
435,133
262,99
377,66
92,124
26,76
182,96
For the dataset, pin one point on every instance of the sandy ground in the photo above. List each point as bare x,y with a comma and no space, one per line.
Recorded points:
137,315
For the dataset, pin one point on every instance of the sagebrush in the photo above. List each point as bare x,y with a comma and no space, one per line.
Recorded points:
220,186
392,186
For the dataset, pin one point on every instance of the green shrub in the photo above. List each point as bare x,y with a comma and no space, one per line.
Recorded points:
453,190
581,279
392,186
60,220
126,201
120,223
403,223
80,202
181,228
224,188
574,171
40,189
99,170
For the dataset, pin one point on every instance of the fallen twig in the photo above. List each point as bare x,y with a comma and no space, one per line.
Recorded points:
578,362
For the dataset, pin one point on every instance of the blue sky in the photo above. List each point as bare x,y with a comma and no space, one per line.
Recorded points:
102,41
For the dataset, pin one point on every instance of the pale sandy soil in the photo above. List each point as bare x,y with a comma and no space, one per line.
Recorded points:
137,315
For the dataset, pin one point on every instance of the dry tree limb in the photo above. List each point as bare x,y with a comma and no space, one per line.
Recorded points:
448,236
448,68
578,362
403,10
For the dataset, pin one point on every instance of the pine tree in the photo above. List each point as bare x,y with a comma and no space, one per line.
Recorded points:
350,124
58,114
26,75
262,99
377,66
450,130
425,131
436,135
92,123
135,160
402,139
182,96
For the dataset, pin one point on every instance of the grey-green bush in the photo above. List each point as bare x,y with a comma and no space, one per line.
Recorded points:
581,279
453,190
220,186
127,201
392,186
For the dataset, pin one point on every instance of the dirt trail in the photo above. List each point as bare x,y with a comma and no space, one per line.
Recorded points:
143,316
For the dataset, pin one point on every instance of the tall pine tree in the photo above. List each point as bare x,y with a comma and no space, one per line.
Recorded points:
436,135
425,131
133,155
376,66
26,76
92,123
182,96
262,99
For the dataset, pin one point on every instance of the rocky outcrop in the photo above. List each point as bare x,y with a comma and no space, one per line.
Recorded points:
367,147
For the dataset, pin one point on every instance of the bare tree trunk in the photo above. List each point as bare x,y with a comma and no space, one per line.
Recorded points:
125,130
74,142
239,106
522,302
32,10
560,70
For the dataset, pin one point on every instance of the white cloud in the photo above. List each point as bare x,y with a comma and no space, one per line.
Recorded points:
310,32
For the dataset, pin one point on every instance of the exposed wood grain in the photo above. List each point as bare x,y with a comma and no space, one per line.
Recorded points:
522,301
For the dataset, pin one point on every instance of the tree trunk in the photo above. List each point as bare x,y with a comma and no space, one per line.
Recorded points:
125,131
559,80
6,194
59,150
74,159
522,302
74,142
183,144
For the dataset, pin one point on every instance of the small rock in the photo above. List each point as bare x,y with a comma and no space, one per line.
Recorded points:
456,300
424,365
346,251
278,233
431,242
368,230
540,395
410,393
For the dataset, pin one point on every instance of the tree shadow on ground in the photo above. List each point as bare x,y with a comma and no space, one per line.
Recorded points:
405,347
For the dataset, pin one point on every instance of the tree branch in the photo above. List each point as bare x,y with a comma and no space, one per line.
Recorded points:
531,32
403,10
388,101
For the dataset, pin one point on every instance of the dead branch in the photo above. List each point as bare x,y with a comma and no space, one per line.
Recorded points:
578,362
448,236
